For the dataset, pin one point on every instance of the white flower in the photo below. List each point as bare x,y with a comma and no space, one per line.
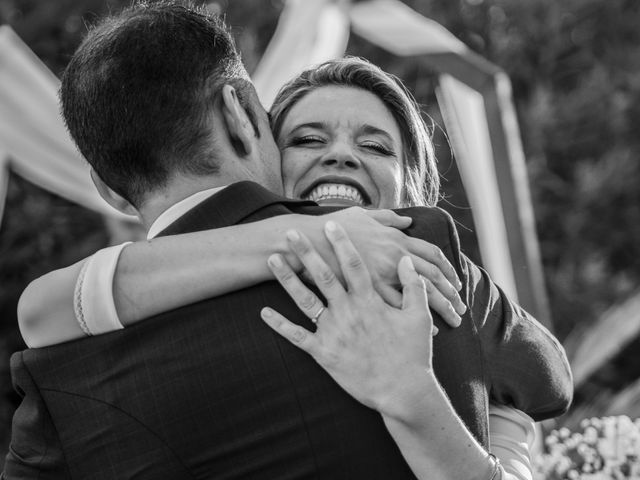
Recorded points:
606,449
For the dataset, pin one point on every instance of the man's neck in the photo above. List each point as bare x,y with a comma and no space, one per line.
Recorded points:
182,186
175,191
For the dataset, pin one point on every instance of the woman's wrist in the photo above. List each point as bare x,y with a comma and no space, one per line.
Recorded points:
412,398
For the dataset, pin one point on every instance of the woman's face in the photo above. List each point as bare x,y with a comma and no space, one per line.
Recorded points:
342,146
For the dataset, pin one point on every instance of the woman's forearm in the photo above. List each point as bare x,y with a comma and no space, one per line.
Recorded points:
433,439
169,272
165,273
158,275
45,310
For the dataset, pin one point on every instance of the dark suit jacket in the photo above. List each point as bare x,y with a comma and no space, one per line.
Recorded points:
209,391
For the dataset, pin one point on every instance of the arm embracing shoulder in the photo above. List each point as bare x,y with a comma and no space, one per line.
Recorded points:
118,286
121,286
528,366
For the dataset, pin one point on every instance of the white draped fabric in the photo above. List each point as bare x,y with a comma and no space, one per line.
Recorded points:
465,117
395,27
308,32
34,142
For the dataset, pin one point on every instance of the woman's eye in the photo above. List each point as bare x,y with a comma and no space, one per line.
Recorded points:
378,148
306,140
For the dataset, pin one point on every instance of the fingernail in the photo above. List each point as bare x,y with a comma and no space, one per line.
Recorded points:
458,284
293,235
266,312
275,261
434,331
462,308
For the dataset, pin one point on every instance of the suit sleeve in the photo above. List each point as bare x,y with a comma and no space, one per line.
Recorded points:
527,367
35,450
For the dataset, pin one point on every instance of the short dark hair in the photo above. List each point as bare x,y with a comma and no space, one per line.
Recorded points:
421,179
138,94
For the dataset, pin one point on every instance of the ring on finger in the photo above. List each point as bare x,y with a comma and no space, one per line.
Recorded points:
315,318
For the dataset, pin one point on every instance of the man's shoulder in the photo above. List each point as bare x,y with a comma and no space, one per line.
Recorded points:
435,215
180,333
432,224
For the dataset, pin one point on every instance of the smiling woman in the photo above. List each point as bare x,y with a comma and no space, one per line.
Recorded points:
347,122
353,157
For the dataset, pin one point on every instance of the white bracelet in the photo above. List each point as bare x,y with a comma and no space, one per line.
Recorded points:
77,300
93,297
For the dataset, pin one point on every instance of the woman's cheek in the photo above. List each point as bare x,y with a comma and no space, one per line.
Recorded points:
292,169
389,183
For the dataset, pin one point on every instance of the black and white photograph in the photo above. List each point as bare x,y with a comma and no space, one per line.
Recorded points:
319,239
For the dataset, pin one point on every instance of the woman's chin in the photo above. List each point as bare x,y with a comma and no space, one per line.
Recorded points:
338,202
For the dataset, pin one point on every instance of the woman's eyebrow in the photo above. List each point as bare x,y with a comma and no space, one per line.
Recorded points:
314,125
367,129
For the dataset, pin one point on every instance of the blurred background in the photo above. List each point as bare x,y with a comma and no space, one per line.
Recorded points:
574,66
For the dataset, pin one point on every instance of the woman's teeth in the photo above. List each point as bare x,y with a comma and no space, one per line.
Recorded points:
335,191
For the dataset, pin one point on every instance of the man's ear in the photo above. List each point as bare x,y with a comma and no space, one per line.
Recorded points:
241,132
114,199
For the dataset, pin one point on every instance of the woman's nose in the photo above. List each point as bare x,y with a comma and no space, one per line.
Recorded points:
341,156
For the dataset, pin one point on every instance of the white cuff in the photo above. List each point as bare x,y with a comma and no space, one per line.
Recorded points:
511,436
93,301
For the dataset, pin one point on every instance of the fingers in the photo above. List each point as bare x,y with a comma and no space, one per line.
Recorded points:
414,293
430,253
441,305
353,268
299,336
305,299
389,218
435,275
320,272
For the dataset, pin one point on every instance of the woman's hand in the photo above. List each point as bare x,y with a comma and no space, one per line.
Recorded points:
376,352
378,237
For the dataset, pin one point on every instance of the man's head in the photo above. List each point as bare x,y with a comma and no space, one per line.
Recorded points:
156,91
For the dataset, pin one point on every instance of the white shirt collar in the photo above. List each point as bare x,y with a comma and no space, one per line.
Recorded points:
175,211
